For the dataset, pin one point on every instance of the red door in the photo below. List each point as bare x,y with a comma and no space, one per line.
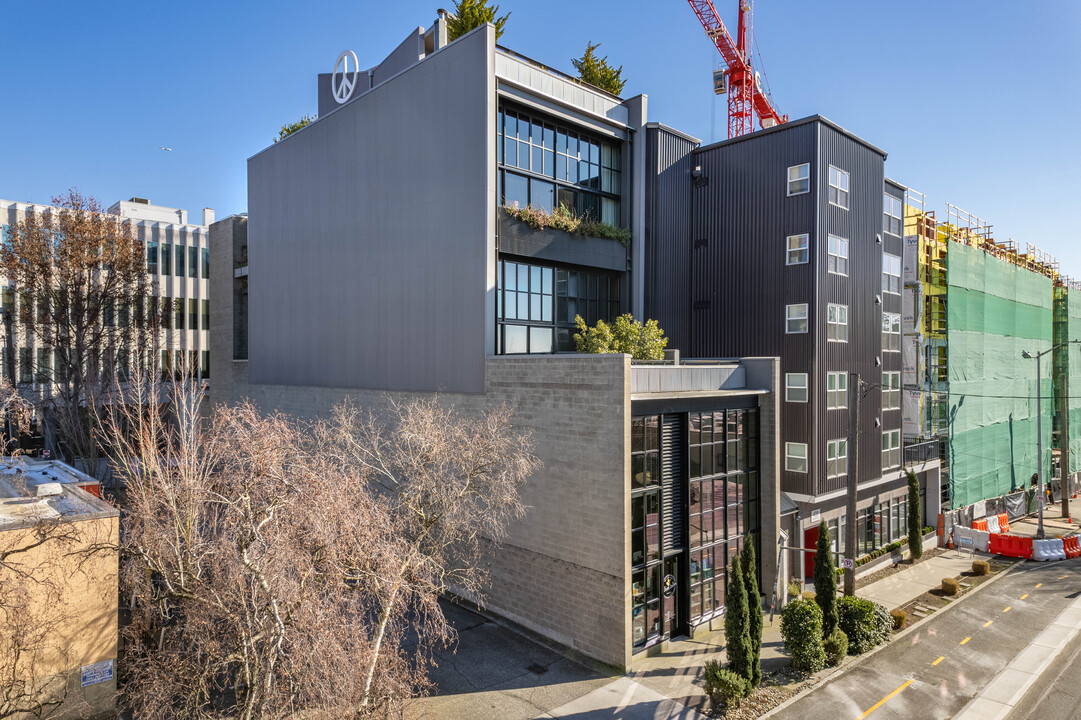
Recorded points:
810,540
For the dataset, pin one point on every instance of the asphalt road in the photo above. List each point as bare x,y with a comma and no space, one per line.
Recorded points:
936,669
1057,694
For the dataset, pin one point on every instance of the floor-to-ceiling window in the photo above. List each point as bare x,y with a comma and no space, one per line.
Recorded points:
645,530
722,508
536,305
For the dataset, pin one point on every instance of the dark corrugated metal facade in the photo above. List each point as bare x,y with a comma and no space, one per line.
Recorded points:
669,163
739,283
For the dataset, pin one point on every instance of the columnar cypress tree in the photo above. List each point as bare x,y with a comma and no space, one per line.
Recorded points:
736,632
825,581
915,524
754,602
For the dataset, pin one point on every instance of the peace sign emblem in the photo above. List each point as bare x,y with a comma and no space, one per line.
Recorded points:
343,81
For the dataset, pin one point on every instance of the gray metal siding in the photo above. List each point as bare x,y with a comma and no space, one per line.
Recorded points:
371,235
669,234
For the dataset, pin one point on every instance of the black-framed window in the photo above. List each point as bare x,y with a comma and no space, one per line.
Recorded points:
166,259
178,261
545,164
645,530
152,257
193,261
723,500
536,305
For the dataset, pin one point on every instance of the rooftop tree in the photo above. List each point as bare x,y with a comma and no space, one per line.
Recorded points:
597,72
470,14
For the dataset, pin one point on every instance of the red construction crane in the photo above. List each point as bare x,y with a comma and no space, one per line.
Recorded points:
745,96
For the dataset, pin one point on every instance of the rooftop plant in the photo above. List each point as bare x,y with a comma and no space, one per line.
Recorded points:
562,218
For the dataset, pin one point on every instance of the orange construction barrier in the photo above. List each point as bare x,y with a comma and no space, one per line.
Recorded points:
995,543
1003,522
979,525
1071,546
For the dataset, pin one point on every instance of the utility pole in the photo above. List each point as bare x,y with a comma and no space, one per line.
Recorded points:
1039,444
1064,443
853,467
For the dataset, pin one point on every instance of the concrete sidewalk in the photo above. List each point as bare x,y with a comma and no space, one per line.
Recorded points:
908,584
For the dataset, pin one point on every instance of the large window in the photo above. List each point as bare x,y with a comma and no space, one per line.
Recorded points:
796,318
837,255
799,179
798,249
193,261
795,457
152,258
838,187
891,331
891,215
837,323
795,387
836,458
536,305
179,260
545,166
723,500
836,390
645,529
167,259
206,263
891,449
891,391
891,274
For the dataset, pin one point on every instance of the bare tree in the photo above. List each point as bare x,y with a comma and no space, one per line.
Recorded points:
286,570
79,276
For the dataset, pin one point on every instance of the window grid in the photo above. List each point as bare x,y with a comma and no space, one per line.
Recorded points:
645,529
579,171
891,274
836,458
891,215
795,457
891,391
837,255
891,332
837,323
796,318
836,390
799,179
798,249
795,387
891,449
838,190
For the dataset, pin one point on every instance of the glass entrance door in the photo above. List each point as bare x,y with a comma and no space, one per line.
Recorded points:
674,597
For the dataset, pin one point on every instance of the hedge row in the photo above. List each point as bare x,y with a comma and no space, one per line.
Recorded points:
896,545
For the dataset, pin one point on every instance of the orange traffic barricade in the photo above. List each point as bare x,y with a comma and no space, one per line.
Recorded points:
994,544
980,525
1003,522
1071,546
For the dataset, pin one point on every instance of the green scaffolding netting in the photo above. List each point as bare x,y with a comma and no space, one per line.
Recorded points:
995,310
1068,362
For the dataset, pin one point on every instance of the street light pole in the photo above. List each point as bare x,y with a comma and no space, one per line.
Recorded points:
1039,442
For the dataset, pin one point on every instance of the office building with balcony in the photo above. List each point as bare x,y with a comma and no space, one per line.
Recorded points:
412,270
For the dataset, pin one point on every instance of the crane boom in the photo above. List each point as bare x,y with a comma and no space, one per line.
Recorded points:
745,98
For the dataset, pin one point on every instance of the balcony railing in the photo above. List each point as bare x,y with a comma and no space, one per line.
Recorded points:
921,452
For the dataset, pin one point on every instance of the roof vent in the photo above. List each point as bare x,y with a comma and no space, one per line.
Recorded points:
48,489
141,201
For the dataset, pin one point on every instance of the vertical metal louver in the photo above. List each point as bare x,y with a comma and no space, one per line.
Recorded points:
671,482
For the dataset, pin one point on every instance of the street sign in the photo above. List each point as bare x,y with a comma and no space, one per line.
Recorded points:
97,673
848,564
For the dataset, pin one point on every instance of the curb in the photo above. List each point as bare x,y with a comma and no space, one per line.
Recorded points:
846,666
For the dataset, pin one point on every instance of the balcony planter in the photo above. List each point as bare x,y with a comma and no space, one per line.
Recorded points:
518,238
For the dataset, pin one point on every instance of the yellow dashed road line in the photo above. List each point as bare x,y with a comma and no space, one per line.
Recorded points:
1060,577
965,640
1039,585
988,623
936,662
1024,596
883,701
1008,608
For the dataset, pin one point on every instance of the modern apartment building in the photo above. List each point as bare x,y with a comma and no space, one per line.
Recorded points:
653,474
178,266
788,243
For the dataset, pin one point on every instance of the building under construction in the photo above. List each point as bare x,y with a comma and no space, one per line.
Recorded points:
977,313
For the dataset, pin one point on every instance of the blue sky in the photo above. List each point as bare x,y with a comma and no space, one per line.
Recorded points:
976,103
